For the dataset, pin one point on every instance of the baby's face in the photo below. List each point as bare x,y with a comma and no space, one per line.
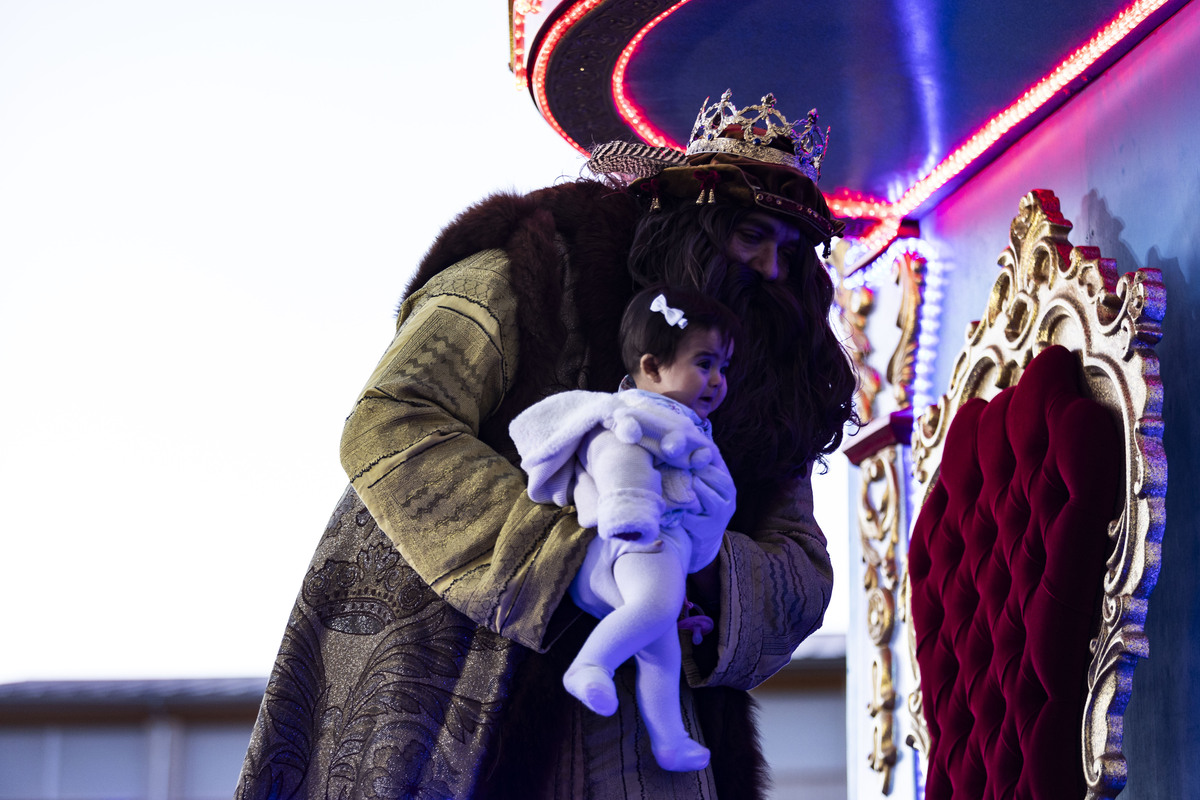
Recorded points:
696,377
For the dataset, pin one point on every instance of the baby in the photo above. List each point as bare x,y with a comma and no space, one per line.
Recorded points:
641,467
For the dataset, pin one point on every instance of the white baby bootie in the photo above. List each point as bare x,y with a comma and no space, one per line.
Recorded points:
681,755
592,686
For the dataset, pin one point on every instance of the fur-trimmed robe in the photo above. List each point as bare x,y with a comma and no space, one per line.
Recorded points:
422,665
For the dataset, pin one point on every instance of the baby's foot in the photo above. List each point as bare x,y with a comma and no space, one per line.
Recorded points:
593,686
681,755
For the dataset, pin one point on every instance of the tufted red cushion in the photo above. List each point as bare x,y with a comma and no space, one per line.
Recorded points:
1006,562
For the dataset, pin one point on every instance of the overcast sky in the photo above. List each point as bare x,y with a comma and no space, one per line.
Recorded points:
208,211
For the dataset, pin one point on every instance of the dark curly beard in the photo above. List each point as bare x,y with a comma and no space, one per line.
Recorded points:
790,372
791,384
756,426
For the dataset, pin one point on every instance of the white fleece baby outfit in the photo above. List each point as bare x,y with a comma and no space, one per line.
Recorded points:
633,462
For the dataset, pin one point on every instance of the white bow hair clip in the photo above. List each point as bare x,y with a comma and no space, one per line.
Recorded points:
674,315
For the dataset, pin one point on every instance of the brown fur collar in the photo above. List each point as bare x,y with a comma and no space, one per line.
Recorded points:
595,224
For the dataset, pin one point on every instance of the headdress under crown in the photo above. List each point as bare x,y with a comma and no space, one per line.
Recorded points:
751,157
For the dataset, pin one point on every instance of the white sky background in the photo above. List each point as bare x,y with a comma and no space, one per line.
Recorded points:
208,211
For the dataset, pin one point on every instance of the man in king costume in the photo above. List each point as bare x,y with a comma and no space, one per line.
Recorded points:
425,653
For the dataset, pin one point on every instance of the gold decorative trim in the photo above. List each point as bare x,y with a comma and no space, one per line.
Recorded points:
1047,293
918,734
910,276
856,306
879,531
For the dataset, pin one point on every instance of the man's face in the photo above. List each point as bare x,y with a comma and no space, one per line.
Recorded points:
764,244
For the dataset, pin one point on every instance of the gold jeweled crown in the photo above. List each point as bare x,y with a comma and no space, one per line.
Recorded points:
761,125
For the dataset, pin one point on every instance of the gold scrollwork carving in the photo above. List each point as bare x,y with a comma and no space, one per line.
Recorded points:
918,734
857,305
880,521
879,531
880,616
882,757
910,276
1049,292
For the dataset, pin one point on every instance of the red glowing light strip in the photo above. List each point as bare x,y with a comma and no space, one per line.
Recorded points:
625,107
518,45
842,206
520,10
1033,99
987,135
857,205
553,37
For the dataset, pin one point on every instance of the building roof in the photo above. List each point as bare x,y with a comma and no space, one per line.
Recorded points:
28,699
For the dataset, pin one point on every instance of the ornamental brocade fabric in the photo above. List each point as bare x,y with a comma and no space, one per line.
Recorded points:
380,688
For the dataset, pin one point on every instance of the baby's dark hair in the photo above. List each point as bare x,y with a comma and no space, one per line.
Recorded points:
645,331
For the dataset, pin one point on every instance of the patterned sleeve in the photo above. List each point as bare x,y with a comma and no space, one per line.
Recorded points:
457,510
774,588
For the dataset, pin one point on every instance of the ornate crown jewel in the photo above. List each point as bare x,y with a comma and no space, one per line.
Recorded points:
808,142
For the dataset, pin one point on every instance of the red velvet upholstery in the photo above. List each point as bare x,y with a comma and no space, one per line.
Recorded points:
1006,563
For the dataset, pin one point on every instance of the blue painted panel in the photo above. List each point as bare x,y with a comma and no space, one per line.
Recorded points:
1124,159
